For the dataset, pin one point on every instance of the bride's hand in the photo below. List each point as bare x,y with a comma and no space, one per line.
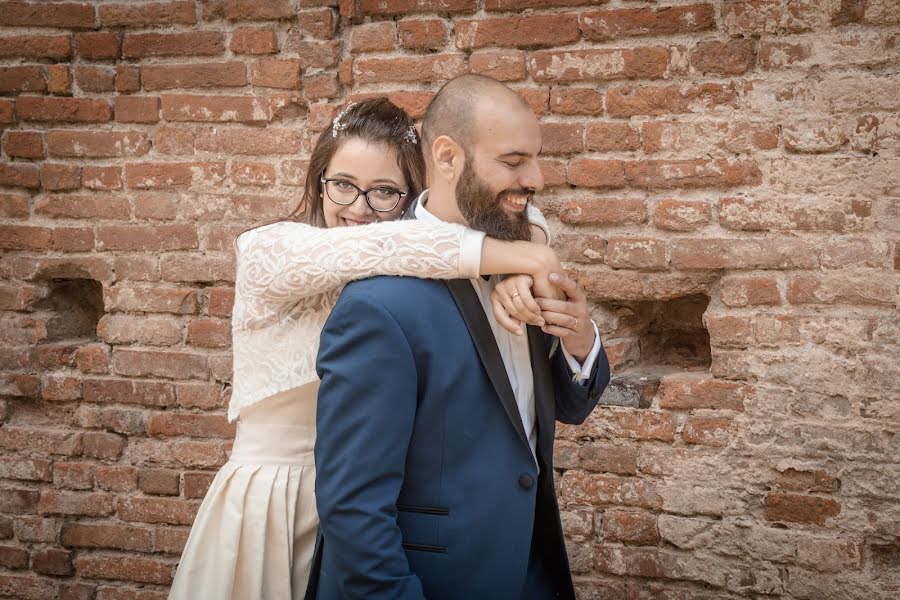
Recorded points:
514,304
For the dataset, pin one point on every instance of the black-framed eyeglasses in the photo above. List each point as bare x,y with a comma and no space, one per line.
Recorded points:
380,199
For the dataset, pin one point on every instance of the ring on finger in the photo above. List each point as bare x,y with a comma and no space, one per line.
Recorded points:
575,326
514,295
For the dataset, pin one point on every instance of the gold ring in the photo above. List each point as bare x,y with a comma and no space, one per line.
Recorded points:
575,326
514,295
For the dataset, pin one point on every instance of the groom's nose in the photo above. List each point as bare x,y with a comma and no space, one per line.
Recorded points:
532,176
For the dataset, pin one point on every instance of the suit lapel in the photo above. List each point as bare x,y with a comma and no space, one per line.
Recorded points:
544,405
483,337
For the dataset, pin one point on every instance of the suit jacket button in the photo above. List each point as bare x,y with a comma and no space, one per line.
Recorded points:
526,482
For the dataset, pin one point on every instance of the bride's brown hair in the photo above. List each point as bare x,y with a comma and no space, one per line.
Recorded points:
376,121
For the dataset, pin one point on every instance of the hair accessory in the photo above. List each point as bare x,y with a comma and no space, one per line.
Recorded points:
411,136
336,124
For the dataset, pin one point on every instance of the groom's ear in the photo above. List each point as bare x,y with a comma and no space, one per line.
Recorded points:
449,158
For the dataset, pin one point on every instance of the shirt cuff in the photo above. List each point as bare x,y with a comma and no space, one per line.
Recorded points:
582,373
470,253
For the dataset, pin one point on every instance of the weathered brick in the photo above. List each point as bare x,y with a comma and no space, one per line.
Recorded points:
628,101
125,568
222,109
36,46
576,101
610,137
97,45
610,24
24,144
202,43
733,57
528,31
157,510
164,482
749,290
79,110
240,10
95,504
630,526
395,7
251,40
193,75
52,561
204,426
604,211
372,37
502,65
681,215
101,535
794,508
422,34
70,143
598,64
708,431
22,79
145,14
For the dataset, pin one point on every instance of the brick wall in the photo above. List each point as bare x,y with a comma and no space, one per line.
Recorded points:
723,176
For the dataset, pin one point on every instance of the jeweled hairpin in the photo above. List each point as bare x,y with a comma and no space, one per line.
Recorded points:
411,136
336,124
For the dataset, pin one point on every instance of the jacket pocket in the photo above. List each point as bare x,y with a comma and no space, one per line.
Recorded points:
425,547
424,510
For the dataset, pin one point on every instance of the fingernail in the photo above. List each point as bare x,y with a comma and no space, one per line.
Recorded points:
554,277
541,323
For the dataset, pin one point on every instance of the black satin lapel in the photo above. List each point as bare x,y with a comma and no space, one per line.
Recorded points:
544,404
483,337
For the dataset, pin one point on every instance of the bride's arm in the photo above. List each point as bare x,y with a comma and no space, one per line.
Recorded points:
282,267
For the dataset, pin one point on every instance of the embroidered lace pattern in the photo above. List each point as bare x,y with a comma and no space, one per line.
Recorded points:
289,276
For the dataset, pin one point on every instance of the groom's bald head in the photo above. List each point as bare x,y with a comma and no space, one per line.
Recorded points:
454,111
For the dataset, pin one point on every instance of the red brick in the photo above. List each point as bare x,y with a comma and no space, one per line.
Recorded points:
372,37
196,484
596,173
604,211
147,237
145,330
398,7
204,426
422,34
36,46
95,79
96,144
748,290
323,85
318,54
603,458
97,45
502,65
662,174
681,215
59,80
807,481
245,10
105,535
167,175
92,359
636,253
79,110
59,177
157,510
562,138
742,254
116,478
154,207
77,591
151,13
318,23
593,489
576,101
75,503
52,561
13,558
559,66
425,69
81,207
202,43
688,391
276,73
27,587
530,31
194,75
609,24
171,364
794,508
64,15
733,57
732,136
155,299
708,431
610,137
814,136
630,526
6,110
103,446
199,395
103,178
125,568
25,469
749,17
188,267
841,288
170,541
128,78
24,144
159,481
22,79
251,40
220,301
73,476
628,101
216,109
18,501
60,387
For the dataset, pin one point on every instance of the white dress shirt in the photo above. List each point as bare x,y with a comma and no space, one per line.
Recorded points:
514,348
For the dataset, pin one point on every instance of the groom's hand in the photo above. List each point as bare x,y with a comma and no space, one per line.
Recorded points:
568,319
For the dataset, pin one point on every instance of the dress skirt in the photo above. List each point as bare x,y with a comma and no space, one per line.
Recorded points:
254,534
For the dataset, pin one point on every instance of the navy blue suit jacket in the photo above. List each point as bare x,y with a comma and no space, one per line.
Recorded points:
426,485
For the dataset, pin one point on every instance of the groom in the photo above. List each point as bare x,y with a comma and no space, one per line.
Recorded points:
435,426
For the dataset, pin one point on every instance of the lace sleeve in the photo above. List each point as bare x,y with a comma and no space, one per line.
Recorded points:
288,266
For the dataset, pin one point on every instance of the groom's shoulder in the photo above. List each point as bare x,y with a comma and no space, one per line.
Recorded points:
395,291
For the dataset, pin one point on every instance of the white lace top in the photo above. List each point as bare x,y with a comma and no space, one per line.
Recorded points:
289,276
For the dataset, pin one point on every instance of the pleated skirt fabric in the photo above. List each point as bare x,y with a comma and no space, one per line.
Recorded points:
254,534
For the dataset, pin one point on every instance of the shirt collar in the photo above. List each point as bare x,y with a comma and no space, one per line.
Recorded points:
422,213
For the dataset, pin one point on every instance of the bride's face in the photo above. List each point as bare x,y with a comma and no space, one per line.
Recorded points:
368,167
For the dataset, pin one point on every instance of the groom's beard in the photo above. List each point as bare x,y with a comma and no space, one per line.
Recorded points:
483,209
